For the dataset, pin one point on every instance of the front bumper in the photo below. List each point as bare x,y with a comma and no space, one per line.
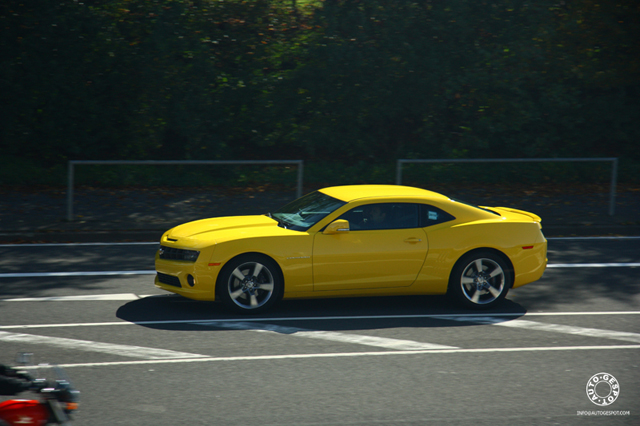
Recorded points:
194,280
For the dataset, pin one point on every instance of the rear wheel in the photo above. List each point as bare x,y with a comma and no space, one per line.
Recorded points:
250,284
480,280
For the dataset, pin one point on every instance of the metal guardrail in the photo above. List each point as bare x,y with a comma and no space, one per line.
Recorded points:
613,160
72,164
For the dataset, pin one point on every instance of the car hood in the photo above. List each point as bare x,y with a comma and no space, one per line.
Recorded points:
214,230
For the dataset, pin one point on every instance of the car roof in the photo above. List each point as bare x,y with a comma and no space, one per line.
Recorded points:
354,192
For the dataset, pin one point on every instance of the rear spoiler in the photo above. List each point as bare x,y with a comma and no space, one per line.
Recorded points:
533,216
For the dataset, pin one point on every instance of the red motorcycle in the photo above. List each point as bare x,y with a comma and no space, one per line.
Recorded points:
57,400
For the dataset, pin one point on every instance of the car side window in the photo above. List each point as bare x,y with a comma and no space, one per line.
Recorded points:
430,215
383,216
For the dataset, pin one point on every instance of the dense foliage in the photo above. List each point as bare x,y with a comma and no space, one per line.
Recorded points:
357,82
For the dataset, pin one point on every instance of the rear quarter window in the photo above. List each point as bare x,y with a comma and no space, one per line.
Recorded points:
431,215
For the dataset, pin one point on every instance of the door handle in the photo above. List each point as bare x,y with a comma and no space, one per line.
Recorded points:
412,240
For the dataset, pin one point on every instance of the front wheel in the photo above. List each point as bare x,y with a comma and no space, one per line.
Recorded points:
250,284
480,280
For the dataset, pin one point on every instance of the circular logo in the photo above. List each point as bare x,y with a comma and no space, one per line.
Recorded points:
603,389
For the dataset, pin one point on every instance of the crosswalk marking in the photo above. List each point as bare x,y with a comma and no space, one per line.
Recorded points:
90,346
398,345
380,342
433,352
555,328
315,318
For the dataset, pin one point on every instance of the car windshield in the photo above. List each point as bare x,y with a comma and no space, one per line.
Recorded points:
305,212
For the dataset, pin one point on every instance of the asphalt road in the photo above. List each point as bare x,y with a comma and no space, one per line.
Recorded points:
143,357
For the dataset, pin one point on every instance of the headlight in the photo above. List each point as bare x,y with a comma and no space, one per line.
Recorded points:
191,255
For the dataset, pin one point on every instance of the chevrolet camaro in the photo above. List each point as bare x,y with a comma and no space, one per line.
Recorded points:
357,240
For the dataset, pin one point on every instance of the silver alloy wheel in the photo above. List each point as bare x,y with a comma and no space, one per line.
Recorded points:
482,281
250,285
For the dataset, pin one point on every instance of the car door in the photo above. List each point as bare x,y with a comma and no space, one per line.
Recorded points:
384,247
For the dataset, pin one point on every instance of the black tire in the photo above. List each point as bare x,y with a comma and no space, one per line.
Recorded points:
250,283
480,280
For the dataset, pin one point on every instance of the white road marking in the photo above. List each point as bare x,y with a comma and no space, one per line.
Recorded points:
381,342
73,274
82,298
328,318
155,356
596,238
555,328
153,272
351,355
594,265
90,346
78,244
578,331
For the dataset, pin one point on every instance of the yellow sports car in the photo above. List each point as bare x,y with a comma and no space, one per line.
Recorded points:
359,240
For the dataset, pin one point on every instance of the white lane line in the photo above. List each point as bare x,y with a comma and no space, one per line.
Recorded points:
81,298
90,346
555,328
596,238
153,272
73,274
351,355
79,244
594,265
328,318
380,342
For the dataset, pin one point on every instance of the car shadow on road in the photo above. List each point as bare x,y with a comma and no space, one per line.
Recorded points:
173,312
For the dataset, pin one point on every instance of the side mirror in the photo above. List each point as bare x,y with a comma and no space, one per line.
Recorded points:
336,227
